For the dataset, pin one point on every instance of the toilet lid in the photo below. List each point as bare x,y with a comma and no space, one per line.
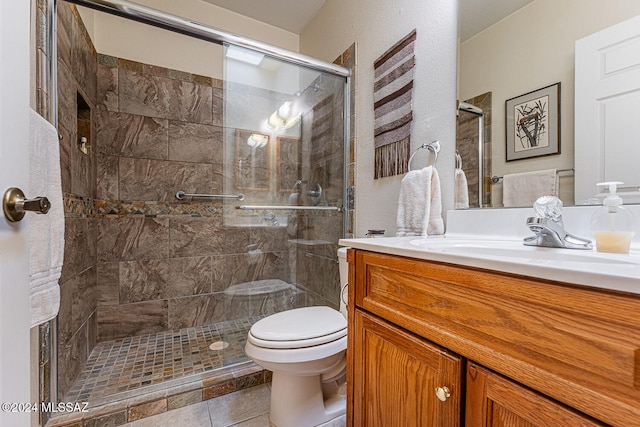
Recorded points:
301,324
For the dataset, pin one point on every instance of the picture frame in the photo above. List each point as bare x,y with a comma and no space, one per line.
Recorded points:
533,124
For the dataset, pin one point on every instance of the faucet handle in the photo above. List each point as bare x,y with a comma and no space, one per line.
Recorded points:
549,207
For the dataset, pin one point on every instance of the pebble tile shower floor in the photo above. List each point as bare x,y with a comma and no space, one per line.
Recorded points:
131,363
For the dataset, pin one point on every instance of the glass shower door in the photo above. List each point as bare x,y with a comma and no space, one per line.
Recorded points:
284,154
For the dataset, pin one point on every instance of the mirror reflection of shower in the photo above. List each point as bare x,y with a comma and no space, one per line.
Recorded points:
473,146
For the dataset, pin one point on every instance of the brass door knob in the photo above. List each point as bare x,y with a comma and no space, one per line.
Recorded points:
14,205
443,393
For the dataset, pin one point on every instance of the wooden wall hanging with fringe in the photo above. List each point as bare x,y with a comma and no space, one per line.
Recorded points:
392,93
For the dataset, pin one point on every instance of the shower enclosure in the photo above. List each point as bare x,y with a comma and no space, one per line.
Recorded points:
213,196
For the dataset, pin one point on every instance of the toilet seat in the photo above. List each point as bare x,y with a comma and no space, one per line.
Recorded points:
299,328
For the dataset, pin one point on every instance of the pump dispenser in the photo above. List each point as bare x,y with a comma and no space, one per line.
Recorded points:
612,225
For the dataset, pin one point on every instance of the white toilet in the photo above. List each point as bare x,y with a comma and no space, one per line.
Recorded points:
305,348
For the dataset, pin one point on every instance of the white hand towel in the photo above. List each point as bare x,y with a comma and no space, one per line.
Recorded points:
522,189
420,204
461,190
45,232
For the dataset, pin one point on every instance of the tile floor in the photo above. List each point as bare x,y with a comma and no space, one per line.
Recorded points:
246,408
124,365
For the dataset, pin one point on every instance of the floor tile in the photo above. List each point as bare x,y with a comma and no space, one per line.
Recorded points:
259,421
128,365
240,406
196,415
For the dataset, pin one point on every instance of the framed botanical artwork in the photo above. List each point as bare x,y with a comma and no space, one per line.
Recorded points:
533,123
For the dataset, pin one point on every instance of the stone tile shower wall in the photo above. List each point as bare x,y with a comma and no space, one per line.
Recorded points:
319,231
77,64
164,264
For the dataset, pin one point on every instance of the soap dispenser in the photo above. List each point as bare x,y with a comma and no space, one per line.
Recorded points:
612,225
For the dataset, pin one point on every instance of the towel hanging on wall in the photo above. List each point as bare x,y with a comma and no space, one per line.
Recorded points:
392,93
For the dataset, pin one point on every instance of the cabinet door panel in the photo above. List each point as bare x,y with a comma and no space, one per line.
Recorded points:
494,401
395,377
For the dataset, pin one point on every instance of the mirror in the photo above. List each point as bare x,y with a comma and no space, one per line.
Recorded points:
510,48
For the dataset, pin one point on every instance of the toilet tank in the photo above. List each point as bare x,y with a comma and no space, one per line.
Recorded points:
343,265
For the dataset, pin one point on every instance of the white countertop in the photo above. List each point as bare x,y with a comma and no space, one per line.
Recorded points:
506,253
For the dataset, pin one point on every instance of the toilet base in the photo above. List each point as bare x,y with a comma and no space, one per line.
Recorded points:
301,401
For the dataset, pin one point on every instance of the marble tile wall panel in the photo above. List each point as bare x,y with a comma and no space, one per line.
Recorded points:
107,85
67,109
196,310
334,187
64,32
127,135
71,360
65,313
467,138
269,239
85,59
142,179
129,239
246,306
155,96
107,178
108,283
78,301
318,275
193,142
218,103
84,300
163,279
229,270
205,236
117,321
78,248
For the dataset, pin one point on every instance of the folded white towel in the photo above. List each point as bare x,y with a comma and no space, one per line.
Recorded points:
522,189
45,232
420,204
460,190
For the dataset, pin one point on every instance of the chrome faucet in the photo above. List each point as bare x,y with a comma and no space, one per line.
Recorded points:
549,227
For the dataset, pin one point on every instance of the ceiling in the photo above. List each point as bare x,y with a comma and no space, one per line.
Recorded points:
290,15
476,15
294,15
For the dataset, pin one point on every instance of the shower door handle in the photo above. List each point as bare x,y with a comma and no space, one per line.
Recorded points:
14,205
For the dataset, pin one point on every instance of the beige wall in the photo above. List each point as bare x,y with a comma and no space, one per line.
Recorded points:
143,43
375,25
531,49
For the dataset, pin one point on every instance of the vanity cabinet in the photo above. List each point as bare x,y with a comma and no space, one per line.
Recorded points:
511,350
396,386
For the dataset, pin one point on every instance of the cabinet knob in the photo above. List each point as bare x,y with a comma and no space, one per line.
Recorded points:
443,393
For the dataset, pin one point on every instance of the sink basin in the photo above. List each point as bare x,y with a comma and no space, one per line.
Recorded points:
514,250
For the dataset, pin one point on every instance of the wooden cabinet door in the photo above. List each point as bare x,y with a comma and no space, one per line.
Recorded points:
395,378
494,401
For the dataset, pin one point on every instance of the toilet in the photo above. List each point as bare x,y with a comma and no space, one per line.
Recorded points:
305,348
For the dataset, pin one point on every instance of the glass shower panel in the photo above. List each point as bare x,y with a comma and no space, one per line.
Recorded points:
284,158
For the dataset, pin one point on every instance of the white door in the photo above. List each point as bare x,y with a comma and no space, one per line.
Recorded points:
14,166
607,111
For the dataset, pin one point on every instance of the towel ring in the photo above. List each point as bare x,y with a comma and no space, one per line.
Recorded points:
433,147
458,160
